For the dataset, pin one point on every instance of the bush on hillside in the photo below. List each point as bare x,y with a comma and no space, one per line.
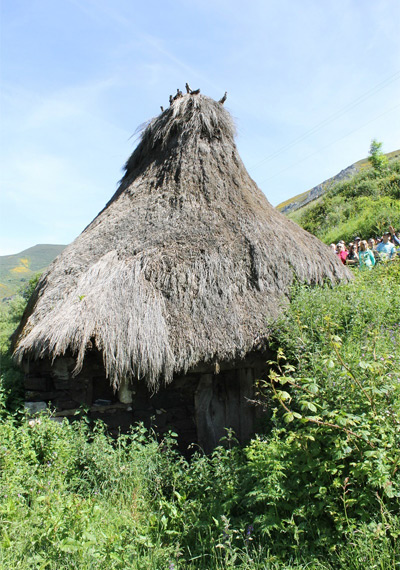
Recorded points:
377,159
363,206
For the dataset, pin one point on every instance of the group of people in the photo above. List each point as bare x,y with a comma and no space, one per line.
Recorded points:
366,253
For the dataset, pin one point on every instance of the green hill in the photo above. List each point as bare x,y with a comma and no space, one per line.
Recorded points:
305,198
17,269
363,205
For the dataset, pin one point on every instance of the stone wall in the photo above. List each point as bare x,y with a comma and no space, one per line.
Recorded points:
197,406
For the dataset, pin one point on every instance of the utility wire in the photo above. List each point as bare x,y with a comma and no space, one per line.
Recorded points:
328,145
331,118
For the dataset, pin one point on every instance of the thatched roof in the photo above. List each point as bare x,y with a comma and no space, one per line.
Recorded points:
186,264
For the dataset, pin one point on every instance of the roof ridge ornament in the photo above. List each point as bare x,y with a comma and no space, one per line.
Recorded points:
179,93
223,99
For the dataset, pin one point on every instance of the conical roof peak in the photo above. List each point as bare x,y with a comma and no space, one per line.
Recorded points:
190,119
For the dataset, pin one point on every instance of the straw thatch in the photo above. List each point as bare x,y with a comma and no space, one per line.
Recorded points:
186,265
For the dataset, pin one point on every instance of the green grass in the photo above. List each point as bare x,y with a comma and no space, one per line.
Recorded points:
318,488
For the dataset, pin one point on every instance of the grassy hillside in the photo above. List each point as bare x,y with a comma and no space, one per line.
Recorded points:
18,269
302,200
362,206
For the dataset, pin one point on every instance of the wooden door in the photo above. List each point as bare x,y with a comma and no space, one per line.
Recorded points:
222,401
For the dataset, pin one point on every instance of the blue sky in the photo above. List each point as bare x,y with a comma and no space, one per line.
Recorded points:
309,83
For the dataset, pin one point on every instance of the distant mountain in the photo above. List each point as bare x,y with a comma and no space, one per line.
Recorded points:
18,269
305,198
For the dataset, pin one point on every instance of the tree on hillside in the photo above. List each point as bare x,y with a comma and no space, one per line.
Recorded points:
376,157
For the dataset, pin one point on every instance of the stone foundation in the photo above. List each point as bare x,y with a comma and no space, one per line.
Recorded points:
198,406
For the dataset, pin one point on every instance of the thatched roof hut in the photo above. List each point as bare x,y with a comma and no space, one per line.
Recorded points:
182,270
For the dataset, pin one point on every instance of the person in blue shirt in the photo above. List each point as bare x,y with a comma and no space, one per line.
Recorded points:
386,249
366,258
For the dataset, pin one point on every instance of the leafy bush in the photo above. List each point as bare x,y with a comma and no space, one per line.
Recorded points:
376,157
337,381
11,380
11,385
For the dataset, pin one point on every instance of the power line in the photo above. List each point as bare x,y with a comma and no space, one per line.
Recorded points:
328,145
331,118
